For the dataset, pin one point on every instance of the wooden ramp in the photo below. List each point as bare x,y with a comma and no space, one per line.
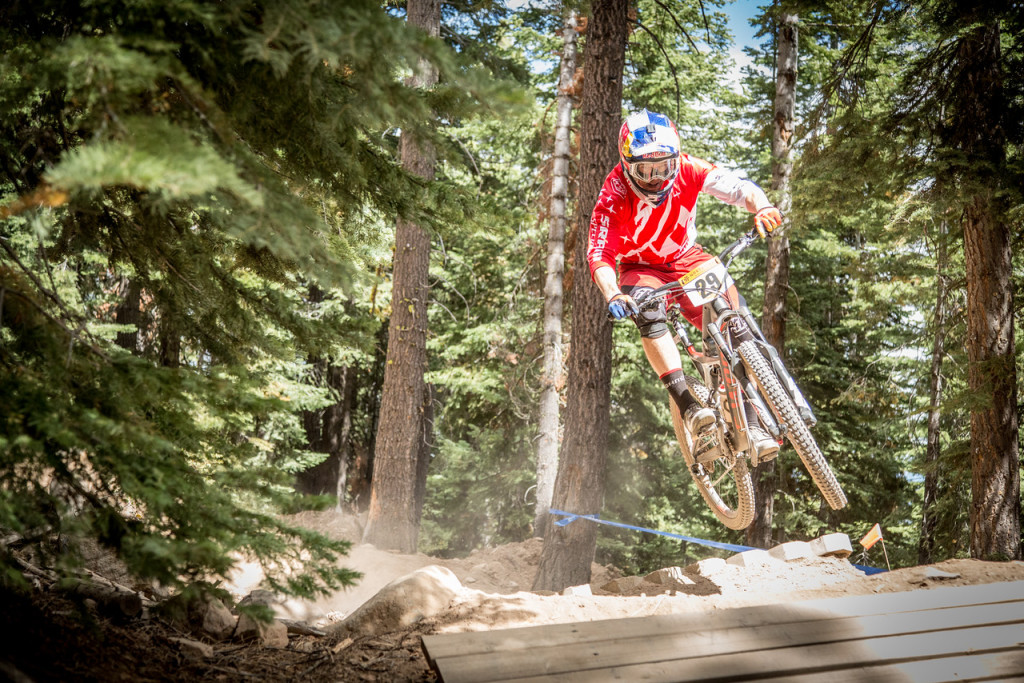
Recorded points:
942,634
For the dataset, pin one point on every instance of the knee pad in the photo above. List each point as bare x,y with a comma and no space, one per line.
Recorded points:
652,323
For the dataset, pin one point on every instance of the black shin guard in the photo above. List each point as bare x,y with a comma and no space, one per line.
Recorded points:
675,382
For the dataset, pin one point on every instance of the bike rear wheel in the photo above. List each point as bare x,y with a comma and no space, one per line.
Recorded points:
796,430
724,483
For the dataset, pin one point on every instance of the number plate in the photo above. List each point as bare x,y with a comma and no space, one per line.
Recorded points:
706,281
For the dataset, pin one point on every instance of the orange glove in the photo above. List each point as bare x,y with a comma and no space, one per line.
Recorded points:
766,220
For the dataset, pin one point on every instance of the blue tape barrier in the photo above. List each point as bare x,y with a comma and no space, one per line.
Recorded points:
570,517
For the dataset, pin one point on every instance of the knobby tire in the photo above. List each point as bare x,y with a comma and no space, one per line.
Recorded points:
736,514
796,430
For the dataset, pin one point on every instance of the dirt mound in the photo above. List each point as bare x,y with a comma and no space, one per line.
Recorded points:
375,627
495,585
503,569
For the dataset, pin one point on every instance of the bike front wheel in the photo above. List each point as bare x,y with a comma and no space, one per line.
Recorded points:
725,482
796,430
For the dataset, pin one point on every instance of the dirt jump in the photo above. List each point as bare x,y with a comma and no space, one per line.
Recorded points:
374,631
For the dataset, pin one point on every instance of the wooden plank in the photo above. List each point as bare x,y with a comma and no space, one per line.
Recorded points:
619,647
484,642
816,660
999,666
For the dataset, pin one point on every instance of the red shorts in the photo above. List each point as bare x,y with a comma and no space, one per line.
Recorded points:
633,276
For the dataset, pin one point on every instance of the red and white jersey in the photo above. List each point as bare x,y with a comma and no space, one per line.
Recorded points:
626,229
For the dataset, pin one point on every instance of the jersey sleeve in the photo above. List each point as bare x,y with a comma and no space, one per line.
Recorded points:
727,186
694,171
605,236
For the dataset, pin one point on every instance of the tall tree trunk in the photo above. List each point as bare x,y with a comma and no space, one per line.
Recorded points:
328,431
170,341
547,446
129,312
926,544
980,135
423,457
776,282
569,551
360,476
393,521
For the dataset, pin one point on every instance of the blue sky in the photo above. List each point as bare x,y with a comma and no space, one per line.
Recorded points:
739,12
743,33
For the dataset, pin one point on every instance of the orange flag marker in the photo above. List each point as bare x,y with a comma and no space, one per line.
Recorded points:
872,537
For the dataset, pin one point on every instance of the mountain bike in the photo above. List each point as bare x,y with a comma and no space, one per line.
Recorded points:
721,470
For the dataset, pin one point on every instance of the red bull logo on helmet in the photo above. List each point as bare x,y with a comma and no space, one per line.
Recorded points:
648,134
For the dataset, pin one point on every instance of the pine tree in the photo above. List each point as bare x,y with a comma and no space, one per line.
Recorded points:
579,488
894,120
221,158
978,131
548,443
776,282
401,457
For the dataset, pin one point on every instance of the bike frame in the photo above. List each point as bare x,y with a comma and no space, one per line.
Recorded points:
719,365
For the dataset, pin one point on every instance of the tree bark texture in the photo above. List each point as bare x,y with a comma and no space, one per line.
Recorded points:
393,521
926,543
979,134
776,282
129,312
579,487
328,431
995,459
547,445
170,342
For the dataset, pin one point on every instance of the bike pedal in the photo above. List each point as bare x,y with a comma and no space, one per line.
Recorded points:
707,450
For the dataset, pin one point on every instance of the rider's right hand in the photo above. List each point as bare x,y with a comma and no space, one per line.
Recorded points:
622,306
766,220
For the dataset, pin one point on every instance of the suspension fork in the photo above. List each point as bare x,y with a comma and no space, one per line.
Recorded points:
803,407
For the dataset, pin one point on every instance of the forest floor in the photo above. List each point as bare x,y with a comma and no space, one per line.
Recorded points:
49,638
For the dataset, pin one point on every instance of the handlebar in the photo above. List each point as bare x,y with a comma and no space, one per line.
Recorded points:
738,247
726,257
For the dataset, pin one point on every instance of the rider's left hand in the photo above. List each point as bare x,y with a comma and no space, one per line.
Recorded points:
766,220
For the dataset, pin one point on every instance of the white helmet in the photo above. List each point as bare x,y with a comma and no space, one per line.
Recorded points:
649,150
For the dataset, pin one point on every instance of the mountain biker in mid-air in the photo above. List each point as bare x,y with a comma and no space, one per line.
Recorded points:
645,222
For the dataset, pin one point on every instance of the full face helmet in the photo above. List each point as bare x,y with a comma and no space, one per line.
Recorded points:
649,150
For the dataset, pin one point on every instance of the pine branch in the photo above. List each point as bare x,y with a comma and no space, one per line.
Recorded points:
671,66
680,26
707,26
52,296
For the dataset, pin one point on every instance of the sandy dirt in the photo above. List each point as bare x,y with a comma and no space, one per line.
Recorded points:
374,630
493,589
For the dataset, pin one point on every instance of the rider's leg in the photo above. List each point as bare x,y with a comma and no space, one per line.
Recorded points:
662,352
663,355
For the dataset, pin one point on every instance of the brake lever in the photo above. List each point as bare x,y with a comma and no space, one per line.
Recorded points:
739,246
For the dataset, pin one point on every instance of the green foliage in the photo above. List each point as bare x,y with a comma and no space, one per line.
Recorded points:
487,294
222,158
868,217
235,162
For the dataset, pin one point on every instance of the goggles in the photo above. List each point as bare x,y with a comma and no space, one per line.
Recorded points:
658,169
